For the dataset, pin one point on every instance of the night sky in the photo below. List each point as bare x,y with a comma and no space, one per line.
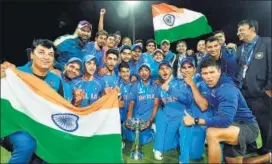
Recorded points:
22,21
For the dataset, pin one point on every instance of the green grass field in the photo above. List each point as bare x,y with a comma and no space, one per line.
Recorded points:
169,157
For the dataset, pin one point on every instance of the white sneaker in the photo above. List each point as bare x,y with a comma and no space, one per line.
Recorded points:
153,127
123,144
157,155
270,154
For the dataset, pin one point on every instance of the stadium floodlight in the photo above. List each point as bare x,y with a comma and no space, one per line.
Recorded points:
132,3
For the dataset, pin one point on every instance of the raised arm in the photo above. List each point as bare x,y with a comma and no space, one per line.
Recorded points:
101,19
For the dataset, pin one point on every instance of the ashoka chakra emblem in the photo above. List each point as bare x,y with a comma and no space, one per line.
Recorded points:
66,121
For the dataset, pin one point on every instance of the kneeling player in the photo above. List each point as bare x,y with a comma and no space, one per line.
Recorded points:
176,97
143,105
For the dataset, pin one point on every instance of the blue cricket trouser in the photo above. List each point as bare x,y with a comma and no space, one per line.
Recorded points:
21,145
192,142
171,133
166,137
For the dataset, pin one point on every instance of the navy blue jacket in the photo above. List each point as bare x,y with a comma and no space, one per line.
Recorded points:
228,104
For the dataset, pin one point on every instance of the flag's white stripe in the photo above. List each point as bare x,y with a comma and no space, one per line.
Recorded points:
180,18
39,109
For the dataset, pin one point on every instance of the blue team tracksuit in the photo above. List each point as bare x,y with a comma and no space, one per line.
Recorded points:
169,126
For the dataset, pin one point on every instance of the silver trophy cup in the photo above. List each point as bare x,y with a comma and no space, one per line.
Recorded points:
136,125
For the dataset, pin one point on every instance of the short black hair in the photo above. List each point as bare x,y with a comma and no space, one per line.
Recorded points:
182,41
150,41
123,65
101,32
211,39
210,62
42,42
218,31
250,23
113,51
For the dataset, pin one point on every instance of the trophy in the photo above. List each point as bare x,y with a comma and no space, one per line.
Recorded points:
136,124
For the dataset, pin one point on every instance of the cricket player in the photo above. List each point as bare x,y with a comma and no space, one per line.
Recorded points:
192,146
176,97
143,105
87,89
72,70
110,78
125,86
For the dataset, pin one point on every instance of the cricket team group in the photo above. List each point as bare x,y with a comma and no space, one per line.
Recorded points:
219,96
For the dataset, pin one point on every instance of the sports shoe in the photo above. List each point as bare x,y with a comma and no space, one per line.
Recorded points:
157,155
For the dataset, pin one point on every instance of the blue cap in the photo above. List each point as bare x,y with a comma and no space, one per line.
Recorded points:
144,65
189,60
135,46
165,62
122,48
75,59
87,58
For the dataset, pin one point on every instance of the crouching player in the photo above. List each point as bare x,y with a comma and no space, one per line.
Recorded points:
233,123
176,97
143,105
192,146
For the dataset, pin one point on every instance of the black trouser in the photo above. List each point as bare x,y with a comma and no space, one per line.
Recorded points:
262,109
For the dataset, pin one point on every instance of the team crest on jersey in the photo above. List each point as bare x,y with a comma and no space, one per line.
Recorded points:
52,83
259,55
213,93
66,121
169,19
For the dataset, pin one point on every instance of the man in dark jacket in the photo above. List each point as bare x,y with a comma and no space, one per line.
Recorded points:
255,77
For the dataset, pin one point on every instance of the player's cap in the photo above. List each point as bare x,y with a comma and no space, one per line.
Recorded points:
165,62
87,58
75,59
144,65
165,41
135,46
83,24
124,47
157,50
189,60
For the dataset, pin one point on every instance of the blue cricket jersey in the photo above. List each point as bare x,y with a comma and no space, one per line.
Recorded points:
92,89
125,92
177,99
143,96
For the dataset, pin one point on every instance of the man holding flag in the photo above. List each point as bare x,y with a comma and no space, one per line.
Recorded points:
21,143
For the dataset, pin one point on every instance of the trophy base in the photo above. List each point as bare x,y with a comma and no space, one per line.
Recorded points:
136,155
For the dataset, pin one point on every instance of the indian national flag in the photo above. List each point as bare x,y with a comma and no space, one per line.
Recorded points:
174,23
64,133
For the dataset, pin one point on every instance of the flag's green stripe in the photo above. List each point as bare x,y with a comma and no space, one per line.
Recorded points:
58,147
188,30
